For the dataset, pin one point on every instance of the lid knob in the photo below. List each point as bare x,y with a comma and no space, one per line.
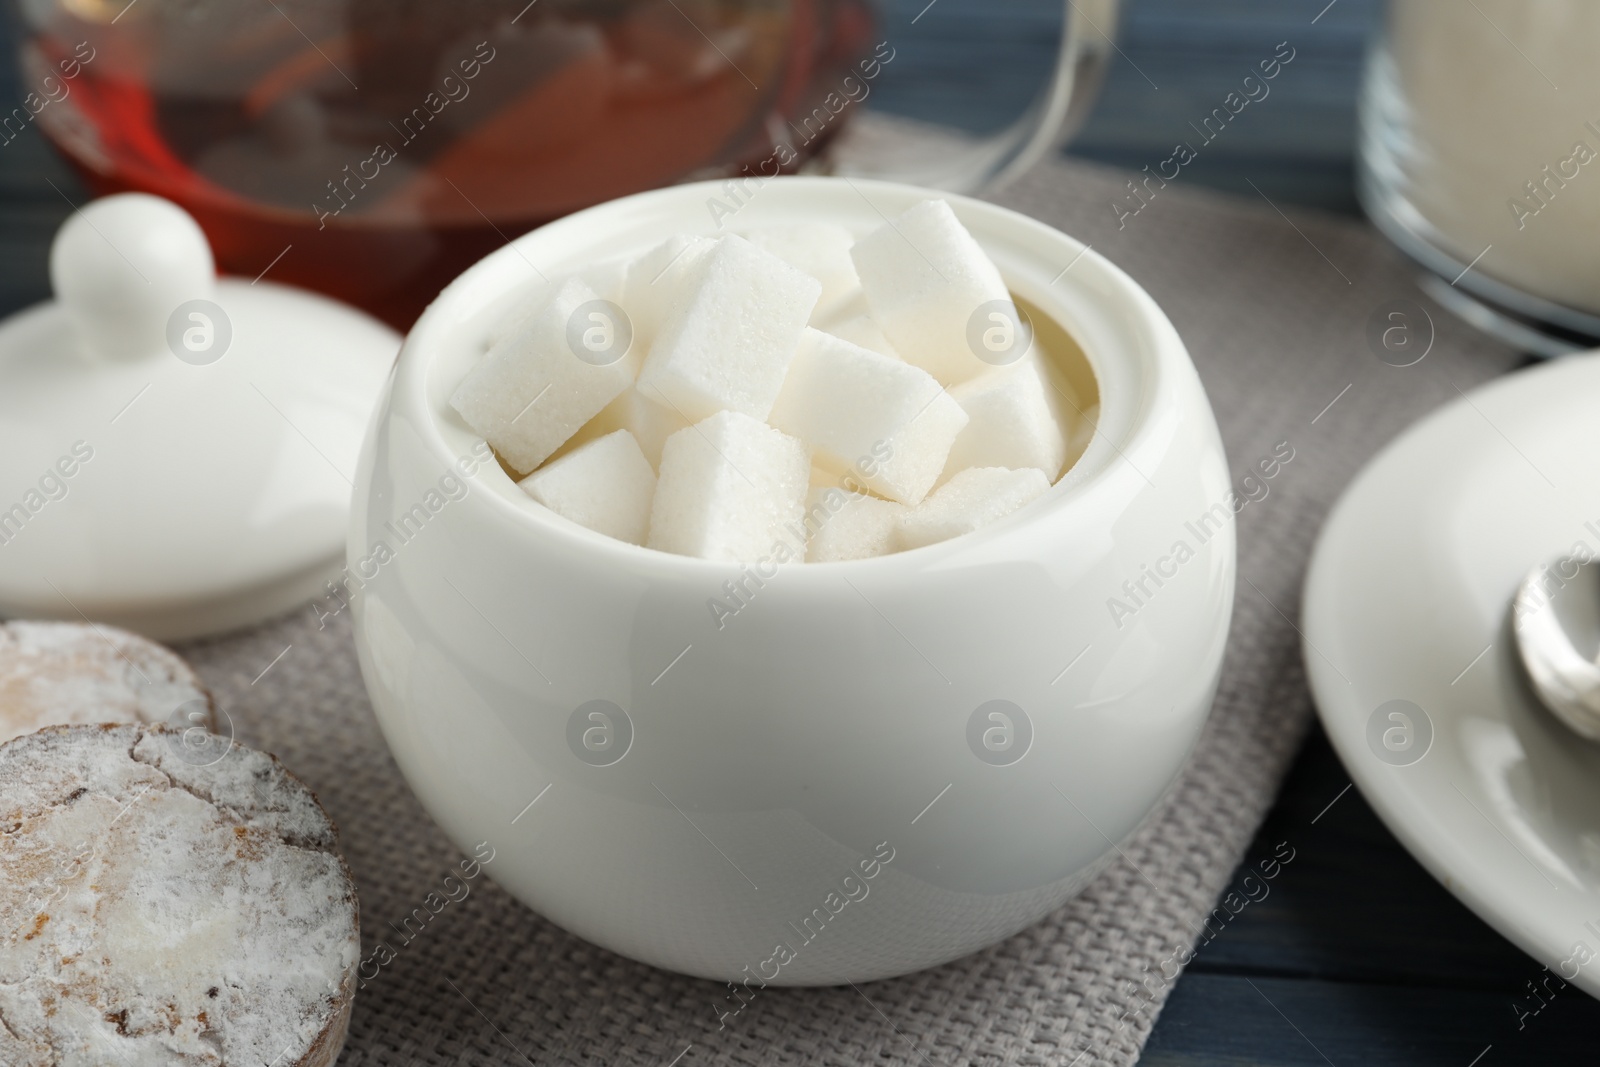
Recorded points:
122,265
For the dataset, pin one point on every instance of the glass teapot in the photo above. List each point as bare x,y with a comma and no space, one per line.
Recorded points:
373,149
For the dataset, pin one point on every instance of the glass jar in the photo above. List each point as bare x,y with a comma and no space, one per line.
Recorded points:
1480,157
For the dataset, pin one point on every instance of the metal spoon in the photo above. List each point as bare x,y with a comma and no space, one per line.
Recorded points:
1556,622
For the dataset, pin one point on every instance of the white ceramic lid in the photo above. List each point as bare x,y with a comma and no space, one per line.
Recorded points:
176,451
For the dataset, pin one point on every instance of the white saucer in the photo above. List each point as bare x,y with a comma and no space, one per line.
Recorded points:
1410,583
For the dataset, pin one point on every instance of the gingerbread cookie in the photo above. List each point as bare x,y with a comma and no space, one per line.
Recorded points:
59,673
157,909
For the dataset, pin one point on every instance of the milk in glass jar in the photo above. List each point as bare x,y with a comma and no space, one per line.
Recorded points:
1480,157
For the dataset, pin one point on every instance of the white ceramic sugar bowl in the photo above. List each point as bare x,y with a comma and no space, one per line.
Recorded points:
875,766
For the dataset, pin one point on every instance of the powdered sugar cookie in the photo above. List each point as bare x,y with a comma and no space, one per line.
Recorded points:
156,911
58,673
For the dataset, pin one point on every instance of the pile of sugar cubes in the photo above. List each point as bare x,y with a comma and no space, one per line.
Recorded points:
791,393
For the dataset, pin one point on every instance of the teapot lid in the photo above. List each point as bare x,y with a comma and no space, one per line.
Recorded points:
177,451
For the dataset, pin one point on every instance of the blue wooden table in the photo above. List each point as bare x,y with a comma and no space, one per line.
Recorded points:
1358,957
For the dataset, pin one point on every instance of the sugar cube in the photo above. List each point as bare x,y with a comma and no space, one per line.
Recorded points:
973,498
926,278
1015,421
650,423
731,488
532,391
526,306
606,485
658,282
729,346
845,525
822,250
888,422
856,304
608,280
861,330
605,279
